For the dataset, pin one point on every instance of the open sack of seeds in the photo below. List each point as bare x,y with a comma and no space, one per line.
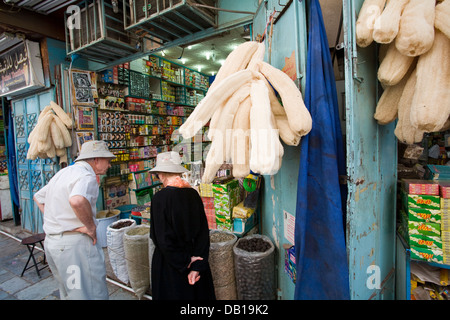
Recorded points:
135,242
221,262
254,259
116,252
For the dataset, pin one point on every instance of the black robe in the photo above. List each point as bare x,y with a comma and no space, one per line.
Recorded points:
179,230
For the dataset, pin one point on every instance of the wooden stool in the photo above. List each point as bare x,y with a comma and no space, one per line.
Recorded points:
31,242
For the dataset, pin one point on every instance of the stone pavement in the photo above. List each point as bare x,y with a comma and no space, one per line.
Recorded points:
13,257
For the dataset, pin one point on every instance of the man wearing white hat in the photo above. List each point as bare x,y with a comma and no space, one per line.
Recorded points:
179,230
68,203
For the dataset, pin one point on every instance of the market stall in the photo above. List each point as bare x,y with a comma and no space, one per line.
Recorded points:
255,188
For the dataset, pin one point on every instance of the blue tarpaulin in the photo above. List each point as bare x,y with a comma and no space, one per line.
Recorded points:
322,268
12,170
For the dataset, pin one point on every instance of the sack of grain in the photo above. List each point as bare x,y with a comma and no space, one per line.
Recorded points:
254,259
151,250
221,262
116,252
135,241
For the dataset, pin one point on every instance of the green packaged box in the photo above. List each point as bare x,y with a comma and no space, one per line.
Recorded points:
422,241
424,228
421,201
226,196
424,215
430,255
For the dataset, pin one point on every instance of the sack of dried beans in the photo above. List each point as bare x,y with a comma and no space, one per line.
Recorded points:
254,258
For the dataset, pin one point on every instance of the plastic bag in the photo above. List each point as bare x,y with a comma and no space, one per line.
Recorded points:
151,250
255,271
221,262
135,241
116,252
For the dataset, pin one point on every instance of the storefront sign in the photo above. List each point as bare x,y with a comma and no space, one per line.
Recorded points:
20,68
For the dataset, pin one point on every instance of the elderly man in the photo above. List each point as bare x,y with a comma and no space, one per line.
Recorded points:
68,203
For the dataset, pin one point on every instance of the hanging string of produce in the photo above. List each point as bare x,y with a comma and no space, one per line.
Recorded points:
50,137
246,118
415,65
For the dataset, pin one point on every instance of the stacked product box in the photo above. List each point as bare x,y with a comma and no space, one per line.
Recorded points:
208,204
421,217
243,218
226,196
437,172
444,187
205,190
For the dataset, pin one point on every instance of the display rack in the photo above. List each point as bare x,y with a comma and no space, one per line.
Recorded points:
141,104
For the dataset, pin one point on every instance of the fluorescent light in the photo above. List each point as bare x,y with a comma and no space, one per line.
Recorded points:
207,54
183,60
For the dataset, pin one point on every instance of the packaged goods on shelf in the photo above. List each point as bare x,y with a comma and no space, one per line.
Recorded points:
437,172
421,201
226,196
416,186
208,204
241,212
431,255
424,228
444,188
423,241
206,189
242,226
424,215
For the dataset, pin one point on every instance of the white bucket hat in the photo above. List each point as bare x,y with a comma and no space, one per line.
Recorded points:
169,162
94,149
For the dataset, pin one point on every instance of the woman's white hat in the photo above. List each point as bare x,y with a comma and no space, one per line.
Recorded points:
169,162
94,149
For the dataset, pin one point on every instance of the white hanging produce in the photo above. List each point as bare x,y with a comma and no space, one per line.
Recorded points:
246,118
50,136
415,72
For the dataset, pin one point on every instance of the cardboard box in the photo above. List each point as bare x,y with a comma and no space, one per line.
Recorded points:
424,215
206,190
226,196
445,225
444,188
421,201
416,186
424,228
208,202
422,241
437,172
445,204
241,212
430,255
242,226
